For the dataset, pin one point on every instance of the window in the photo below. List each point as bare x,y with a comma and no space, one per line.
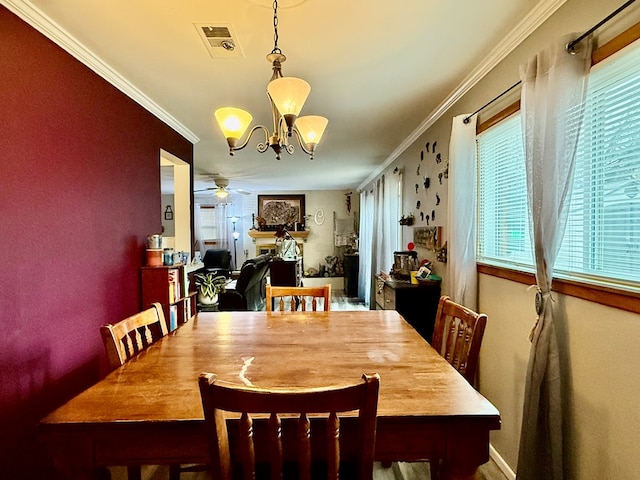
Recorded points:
503,221
213,219
601,244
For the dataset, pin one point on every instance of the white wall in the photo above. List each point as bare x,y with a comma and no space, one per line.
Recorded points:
319,243
168,226
599,344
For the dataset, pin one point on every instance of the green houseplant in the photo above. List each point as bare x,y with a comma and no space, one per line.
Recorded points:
209,285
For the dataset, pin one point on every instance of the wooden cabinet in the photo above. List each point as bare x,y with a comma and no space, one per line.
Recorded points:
173,289
417,304
286,273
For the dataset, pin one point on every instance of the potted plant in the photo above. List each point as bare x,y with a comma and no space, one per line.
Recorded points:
209,285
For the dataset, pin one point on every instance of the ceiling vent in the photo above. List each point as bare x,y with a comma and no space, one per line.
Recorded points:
220,39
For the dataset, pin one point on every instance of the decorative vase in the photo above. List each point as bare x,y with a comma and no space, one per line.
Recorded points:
206,300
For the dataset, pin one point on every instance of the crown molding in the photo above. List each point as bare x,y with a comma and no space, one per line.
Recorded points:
539,14
54,32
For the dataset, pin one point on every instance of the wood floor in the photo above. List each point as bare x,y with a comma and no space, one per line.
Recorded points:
339,301
398,470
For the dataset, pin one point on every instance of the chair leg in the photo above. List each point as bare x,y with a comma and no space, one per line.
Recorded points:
174,472
134,473
102,473
434,469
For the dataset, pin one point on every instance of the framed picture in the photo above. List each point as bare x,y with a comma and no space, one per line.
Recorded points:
277,210
427,237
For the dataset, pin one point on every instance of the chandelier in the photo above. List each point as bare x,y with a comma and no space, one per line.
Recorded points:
286,96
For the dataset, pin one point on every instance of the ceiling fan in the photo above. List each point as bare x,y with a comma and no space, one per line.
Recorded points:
221,190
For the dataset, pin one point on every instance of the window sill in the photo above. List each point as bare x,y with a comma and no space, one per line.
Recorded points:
608,296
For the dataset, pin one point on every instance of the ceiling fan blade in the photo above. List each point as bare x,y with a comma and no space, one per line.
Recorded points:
240,191
205,189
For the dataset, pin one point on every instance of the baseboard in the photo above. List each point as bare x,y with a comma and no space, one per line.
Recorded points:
501,464
337,283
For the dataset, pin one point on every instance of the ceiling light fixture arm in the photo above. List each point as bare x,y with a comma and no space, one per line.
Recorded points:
306,148
261,147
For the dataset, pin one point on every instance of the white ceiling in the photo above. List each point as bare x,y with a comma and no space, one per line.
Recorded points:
380,71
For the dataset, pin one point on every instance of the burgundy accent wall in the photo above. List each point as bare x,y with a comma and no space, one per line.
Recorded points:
79,193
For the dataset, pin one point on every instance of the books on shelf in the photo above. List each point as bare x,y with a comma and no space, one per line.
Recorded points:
174,285
173,317
187,309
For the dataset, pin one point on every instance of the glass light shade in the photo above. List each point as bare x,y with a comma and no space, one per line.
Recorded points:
236,235
233,121
311,128
288,94
221,193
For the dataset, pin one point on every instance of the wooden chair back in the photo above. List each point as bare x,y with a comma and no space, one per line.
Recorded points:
283,406
300,298
457,336
128,337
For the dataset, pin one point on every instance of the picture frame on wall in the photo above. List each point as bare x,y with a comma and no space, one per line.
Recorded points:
427,237
287,210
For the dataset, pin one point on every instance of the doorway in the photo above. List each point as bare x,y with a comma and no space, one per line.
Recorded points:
175,188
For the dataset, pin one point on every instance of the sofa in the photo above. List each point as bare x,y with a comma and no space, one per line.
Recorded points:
249,293
217,262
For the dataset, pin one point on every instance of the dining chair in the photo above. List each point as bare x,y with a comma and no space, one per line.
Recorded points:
127,338
123,341
457,336
268,419
300,298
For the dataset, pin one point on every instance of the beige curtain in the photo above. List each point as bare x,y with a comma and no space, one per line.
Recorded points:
463,276
552,105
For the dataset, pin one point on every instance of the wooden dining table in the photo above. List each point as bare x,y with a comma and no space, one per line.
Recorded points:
149,411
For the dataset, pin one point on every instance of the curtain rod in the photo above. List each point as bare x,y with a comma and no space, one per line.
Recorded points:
466,120
572,44
570,48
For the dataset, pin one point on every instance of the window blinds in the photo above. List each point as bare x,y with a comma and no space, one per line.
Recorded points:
602,240
603,233
503,225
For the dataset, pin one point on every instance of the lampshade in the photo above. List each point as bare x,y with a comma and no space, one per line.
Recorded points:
288,94
233,121
221,193
311,128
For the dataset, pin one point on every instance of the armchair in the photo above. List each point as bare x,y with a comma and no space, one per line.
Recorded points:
217,262
249,293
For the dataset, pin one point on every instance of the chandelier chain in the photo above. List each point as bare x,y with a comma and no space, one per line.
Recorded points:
276,49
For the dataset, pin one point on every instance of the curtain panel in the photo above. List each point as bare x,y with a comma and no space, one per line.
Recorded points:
379,229
552,105
461,215
365,246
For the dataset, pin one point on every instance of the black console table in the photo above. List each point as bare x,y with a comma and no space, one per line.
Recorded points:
286,273
417,303
351,269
